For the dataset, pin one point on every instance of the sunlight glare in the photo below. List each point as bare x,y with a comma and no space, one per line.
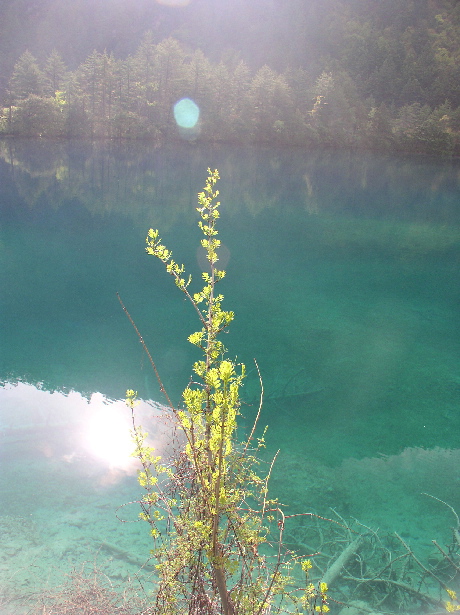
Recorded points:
77,430
108,437
174,2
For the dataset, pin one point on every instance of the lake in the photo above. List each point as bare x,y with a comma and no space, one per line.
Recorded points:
343,272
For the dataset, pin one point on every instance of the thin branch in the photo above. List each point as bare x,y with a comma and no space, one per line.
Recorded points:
429,572
310,514
256,420
278,562
448,558
147,352
267,478
445,504
403,586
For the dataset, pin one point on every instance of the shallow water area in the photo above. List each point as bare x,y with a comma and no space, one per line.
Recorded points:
69,488
343,272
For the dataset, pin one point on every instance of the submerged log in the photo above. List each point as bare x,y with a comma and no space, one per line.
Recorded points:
121,554
335,569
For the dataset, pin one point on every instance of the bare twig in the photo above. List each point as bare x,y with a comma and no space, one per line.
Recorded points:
429,572
256,420
447,557
147,352
448,506
267,478
403,586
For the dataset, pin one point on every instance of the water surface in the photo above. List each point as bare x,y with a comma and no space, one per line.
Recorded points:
343,272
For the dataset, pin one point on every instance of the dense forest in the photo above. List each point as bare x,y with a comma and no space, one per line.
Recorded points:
360,73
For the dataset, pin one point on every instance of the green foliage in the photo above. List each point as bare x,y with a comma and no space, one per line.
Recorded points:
208,508
333,66
55,73
37,116
27,78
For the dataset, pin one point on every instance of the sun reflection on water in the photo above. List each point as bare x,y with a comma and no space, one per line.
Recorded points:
76,429
107,434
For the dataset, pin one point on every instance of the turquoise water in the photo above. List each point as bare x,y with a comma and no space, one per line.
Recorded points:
343,272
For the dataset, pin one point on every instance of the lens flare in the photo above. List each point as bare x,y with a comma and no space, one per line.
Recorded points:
186,113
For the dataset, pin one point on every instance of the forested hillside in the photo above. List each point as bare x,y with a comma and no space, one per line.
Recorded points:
362,73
